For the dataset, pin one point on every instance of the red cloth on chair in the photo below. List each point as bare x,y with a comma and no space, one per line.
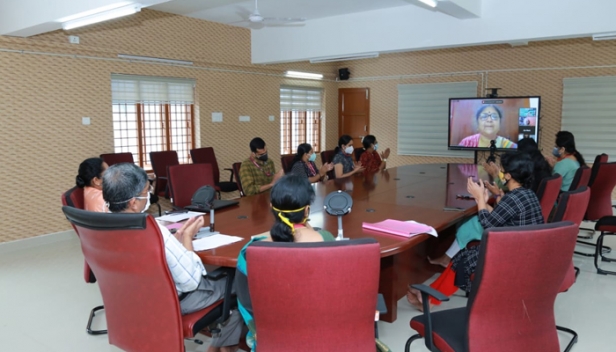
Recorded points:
444,284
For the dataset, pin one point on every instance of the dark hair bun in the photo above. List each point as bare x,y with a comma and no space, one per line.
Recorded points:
80,182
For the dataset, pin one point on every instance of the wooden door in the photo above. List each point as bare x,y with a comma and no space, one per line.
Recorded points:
354,113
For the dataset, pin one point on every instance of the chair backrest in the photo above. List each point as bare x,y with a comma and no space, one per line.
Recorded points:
116,158
511,306
338,285
581,178
236,172
74,198
287,162
601,192
601,158
327,156
160,162
548,191
185,180
572,206
127,253
206,156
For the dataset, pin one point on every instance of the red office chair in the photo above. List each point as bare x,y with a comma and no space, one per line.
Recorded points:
600,204
141,303
327,156
337,282
601,158
607,226
581,178
160,162
185,180
207,156
116,158
74,198
548,192
236,171
287,162
511,306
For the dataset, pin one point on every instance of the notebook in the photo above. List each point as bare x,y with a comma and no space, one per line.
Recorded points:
400,228
216,204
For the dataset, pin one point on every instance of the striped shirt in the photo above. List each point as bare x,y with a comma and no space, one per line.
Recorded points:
185,266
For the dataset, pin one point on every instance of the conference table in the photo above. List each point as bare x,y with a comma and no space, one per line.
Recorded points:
426,193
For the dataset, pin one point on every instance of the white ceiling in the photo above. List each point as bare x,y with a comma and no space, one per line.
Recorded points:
233,11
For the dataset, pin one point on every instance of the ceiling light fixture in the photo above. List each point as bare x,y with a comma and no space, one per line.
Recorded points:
604,36
431,3
344,58
154,59
101,16
298,74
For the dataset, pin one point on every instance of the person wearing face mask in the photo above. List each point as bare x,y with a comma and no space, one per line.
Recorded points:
126,190
518,207
568,159
90,178
343,161
258,173
370,158
303,164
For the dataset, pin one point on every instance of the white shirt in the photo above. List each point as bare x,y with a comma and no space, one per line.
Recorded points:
185,266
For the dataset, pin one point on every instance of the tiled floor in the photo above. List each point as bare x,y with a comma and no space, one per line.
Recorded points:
44,305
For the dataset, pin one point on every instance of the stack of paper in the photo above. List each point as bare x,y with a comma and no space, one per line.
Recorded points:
214,241
179,217
400,228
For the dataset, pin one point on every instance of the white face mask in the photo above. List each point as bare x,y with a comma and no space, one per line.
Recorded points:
349,149
147,203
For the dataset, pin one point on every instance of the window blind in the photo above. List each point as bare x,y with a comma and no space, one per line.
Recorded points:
145,89
423,119
589,112
300,99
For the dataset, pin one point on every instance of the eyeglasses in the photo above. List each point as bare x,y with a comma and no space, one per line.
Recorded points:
493,116
150,191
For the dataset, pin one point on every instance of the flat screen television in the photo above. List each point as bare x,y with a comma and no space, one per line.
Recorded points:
474,122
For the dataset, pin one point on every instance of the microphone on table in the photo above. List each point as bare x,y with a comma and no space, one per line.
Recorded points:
338,203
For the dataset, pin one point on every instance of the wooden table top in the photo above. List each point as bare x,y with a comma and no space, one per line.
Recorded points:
411,192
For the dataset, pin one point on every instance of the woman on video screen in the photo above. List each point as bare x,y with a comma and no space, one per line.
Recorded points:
488,119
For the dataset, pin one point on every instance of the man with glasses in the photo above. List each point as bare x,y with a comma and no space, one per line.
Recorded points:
126,190
258,173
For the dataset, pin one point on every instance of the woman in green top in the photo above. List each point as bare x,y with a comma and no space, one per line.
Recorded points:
568,159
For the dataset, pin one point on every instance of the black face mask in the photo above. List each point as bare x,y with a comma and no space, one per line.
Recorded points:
262,157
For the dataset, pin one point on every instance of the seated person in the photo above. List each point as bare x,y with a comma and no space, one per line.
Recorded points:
518,207
303,164
258,173
370,159
343,160
290,200
568,159
488,120
126,190
90,178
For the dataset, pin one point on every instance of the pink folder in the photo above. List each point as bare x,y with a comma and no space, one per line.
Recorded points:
397,227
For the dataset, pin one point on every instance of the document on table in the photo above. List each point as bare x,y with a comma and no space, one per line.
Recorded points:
400,228
179,217
214,241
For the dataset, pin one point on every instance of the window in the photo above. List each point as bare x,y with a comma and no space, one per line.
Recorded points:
423,121
588,112
300,118
152,114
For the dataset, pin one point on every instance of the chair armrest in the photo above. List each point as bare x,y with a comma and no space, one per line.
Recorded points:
426,292
429,291
231,171
217,274
380,304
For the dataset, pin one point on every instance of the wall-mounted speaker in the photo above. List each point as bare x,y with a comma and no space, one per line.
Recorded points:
343,74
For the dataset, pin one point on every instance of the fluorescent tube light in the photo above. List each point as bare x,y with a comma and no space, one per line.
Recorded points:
298,74
101,16
431,3
154,59
604,36
344,58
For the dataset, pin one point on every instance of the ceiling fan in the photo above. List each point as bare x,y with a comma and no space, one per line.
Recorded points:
256,20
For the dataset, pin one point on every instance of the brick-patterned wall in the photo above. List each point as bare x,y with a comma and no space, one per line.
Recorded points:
46,90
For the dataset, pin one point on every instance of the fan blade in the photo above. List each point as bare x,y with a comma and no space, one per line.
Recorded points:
269,24
284,19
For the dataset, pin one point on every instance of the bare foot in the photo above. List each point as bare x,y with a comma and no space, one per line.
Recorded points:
443,260
414,298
